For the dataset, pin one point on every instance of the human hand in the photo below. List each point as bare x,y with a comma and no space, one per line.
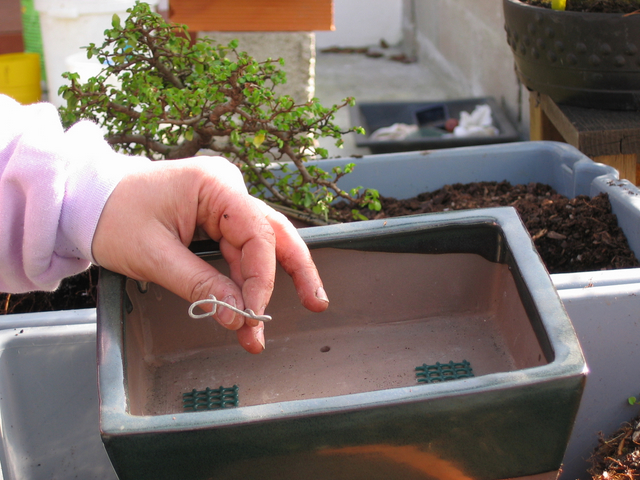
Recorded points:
151,217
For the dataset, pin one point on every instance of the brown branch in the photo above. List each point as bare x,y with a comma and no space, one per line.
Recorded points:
142,140
155,60
122,109
298,162
255,170
309,218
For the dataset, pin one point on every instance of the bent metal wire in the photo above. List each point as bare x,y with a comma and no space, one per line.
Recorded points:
213,300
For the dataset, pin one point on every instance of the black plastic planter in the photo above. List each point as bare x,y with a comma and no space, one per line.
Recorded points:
589,60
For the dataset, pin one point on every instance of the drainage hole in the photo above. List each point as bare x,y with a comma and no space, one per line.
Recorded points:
325,349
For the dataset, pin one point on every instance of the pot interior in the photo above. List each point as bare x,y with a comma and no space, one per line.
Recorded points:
389,313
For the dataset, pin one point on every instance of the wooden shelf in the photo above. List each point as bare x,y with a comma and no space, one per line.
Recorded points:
606,136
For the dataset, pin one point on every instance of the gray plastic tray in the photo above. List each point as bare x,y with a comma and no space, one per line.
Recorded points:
49,398
563,167
373,116
49,404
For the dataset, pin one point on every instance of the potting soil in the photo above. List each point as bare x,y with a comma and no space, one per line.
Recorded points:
571,235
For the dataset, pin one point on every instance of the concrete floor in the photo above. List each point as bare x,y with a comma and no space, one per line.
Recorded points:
341,75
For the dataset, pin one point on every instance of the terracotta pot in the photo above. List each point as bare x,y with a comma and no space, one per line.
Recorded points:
587,60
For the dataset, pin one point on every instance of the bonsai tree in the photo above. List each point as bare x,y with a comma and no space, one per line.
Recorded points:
163,96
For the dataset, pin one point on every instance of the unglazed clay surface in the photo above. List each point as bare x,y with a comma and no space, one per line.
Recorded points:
389,313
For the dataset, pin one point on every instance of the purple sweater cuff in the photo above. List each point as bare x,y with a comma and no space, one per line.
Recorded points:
53,187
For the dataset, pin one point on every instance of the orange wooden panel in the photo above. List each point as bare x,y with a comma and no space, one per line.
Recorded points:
253,15
11,42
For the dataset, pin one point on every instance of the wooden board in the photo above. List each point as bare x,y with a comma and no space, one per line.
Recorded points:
253,15
606,136
593,132
11,42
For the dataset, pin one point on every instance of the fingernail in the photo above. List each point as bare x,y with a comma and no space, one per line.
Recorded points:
227,317
322,295
260,337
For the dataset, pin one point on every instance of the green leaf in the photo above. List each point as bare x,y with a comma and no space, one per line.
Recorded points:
632,400
308,199
209,76
258,139
357,215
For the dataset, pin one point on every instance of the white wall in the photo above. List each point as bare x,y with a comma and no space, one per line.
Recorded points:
466,38
363,23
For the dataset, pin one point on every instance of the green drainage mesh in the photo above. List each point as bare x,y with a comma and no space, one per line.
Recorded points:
210,398
442,372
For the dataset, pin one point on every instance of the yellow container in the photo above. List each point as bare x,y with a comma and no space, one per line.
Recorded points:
20,76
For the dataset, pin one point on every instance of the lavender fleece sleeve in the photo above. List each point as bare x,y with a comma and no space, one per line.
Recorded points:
53,187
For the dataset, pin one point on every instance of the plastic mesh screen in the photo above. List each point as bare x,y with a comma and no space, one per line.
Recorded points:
443,372
210,398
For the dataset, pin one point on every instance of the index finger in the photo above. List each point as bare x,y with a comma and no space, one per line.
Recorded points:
244,227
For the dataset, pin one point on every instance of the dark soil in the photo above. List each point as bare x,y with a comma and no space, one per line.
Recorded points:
74,292
571,235
618,457
594,6
574,235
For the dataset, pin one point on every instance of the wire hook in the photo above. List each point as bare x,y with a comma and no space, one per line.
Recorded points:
212,299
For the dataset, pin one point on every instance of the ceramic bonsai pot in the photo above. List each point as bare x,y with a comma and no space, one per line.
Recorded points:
587,60
338,395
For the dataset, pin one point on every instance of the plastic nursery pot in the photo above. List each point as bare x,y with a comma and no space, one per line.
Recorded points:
20,77
563,167
458,299
583,59
67,26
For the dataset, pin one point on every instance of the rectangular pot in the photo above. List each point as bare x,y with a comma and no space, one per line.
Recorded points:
375,115
563,167
605,317
336,395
